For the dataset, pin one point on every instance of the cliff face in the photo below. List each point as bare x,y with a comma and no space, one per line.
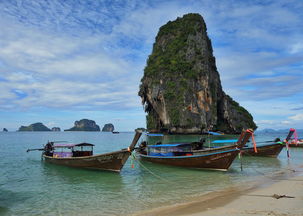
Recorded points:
181,88
85,125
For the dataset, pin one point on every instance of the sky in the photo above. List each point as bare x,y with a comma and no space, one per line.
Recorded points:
62,61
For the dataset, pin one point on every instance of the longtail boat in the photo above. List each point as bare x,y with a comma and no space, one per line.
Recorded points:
268,150
183,154
275,147
81,155
294,142
272,149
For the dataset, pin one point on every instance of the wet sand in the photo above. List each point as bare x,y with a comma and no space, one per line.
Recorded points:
253,198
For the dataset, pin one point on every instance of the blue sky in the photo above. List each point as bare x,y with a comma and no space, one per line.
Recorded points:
62,61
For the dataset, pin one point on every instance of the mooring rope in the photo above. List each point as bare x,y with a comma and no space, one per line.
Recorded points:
134,158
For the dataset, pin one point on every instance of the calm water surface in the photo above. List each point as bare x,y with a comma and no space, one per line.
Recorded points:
28,186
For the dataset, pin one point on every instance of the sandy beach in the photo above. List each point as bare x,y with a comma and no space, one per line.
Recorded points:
280,194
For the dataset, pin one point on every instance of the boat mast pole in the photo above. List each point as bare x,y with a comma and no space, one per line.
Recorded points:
135,140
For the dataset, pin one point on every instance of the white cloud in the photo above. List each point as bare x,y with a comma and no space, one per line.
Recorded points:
87,66
51,124
286,122
57,71
296,48
54,54
266,122
275,124
6,93
297,117
61,94
84,56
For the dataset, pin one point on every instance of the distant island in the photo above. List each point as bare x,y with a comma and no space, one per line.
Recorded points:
34,127
274,131
108,128
56,129
5,130
84,125
81,125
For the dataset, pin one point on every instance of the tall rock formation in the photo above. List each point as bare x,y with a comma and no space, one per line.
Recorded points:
181,88
85,125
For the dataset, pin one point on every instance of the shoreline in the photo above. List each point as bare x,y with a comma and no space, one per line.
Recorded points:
250,198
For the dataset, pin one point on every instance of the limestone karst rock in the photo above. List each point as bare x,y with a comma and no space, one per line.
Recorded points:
108,127
34,127
85,125
56,129
181,88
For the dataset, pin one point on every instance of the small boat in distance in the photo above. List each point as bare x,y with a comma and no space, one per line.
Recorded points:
296,143
81,155
293,142
185,155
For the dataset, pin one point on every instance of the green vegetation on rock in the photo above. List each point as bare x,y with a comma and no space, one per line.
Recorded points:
170,57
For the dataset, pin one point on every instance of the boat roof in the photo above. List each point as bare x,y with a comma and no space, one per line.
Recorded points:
154,134
69,145
168,145
225,141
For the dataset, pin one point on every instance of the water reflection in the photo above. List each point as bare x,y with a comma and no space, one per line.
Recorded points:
70,175
10,198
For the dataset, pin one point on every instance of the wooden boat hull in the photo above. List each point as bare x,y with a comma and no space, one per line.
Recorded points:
271,150
215,161
113,161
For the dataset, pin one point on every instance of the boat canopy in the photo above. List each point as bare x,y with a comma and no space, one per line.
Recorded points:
70,145
224,141
168,145
176,149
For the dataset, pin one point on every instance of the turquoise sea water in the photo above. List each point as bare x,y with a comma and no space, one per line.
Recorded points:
28,186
